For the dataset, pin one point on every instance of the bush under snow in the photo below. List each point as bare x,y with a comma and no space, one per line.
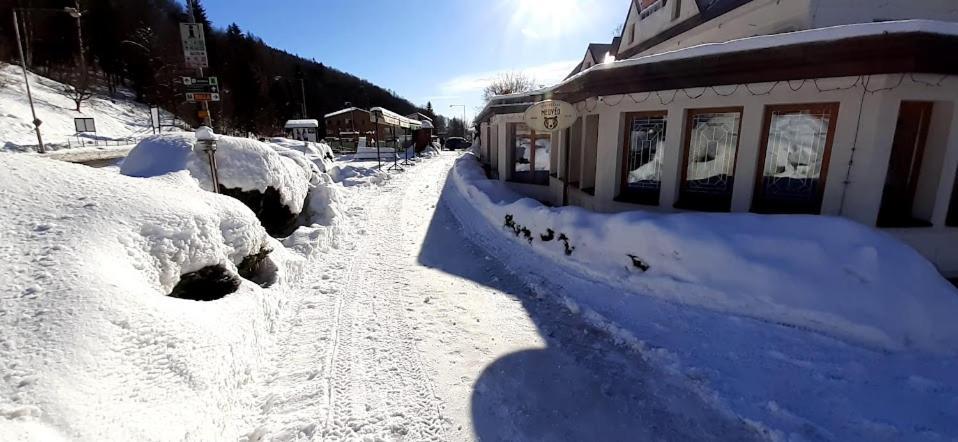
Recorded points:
87,333
253,171
821,273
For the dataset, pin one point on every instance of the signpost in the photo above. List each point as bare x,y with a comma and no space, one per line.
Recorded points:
194,45
85,125
194,51
155,119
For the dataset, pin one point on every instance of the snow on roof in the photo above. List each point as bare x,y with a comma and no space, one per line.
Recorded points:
819,35
400,120
302,123
344,111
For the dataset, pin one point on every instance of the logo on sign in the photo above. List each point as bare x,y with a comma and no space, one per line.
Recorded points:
550,116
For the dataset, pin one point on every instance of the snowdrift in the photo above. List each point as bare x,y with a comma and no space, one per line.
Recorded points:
118,119
89,341
825,274
272,181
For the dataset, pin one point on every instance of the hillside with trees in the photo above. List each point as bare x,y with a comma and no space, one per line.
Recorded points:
135,45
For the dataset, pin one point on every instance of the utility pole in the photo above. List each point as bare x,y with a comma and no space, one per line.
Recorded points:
463,106
302,86
77,14
204,105
26,81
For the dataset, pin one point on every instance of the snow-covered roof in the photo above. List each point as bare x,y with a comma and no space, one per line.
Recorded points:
345,111
811,36
819,35
294,124
391,117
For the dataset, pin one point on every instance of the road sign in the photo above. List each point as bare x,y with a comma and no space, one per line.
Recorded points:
211,81
194,45
201,85
194,97
84,125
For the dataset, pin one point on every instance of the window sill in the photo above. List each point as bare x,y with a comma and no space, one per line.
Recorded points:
639,199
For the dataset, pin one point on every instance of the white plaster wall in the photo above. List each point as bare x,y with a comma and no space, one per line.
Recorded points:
760,17
839,12
859,157
656,23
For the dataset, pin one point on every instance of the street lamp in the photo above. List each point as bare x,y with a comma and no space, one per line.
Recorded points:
463,106
26,81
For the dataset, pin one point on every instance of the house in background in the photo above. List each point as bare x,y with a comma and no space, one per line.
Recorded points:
303,130
349,124
828,107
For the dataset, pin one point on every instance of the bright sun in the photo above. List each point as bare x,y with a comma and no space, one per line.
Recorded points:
546,18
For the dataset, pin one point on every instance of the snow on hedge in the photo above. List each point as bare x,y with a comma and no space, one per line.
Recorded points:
243,163
90,345
821,273
319,153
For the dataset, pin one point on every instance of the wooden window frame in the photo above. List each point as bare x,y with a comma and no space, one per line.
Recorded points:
919,155
511,130
644,198
687,146
833,109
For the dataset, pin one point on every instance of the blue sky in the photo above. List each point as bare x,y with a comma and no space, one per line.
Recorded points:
431,50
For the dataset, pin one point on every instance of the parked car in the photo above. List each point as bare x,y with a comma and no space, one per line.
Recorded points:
456,143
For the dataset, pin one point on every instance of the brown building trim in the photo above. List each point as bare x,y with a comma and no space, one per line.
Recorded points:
759,205
913,52
691,23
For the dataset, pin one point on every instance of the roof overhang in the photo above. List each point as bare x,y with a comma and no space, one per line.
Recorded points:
909,52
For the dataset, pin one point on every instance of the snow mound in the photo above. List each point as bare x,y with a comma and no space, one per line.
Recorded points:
90,345
825,274
244,164
116,119
319,153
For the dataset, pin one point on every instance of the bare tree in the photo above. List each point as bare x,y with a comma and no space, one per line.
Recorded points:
78,92
508,83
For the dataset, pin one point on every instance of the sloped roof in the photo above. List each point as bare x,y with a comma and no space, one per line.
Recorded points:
599,50
343,111
291,124
708,10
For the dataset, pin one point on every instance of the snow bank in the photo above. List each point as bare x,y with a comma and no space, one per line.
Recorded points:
319,153
118,119
91,347
243,164
824,274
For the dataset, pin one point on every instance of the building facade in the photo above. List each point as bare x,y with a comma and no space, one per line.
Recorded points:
855,121
349,124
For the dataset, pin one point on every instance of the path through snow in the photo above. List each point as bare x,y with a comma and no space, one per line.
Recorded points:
410,332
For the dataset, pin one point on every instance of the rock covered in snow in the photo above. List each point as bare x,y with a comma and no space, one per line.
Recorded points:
89,257
273,184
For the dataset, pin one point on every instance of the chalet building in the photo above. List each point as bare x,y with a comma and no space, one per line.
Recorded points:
349,124
825,107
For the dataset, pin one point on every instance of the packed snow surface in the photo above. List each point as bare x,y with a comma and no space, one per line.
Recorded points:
243,163
820,273
91,346
812,327
118,119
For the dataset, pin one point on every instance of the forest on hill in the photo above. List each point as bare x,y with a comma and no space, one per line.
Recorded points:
135,45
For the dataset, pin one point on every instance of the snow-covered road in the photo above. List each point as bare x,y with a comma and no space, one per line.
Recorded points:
411,332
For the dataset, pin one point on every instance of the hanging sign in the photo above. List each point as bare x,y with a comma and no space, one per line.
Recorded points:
194,45
550,116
